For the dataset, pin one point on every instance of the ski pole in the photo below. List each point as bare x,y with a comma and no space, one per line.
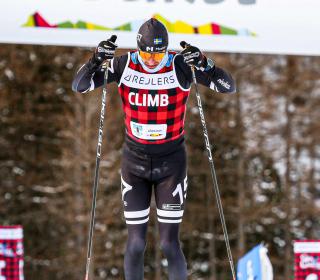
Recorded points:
96,174
213,172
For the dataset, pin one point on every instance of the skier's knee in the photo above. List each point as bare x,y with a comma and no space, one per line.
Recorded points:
136,246
169,248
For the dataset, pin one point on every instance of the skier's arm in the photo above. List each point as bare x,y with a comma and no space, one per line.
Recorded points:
207,73
217,79
91,75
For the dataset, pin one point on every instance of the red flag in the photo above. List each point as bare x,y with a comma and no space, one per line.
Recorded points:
307,260
11,253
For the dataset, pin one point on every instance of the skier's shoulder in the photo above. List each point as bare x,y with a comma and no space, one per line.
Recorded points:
121,59
183,72
179,64
173,55
119,63
177,58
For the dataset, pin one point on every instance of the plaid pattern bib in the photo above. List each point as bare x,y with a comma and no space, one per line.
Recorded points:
154,103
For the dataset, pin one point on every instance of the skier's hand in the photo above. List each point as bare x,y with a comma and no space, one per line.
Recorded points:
193,56
105,50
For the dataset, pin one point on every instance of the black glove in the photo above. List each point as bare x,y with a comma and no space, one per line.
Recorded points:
105,50
193,56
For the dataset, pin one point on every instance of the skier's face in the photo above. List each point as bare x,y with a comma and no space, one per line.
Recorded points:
151,60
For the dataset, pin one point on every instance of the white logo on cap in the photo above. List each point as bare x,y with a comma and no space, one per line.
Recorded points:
139,36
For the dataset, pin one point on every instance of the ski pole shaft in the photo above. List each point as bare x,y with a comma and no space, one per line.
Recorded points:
213,175
212,169
96,178
98,157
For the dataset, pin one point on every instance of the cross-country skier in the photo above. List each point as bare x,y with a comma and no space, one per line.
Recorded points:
154,85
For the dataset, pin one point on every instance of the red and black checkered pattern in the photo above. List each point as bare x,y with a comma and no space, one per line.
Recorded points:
173,114
11,253
306,263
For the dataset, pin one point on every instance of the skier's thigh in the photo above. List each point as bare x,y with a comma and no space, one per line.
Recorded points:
136,196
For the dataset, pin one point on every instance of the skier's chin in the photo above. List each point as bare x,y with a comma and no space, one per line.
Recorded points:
151,66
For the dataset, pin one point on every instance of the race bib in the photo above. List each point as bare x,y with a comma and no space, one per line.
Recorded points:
148,131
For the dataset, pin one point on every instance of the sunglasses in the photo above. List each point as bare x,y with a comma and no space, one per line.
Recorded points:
158,56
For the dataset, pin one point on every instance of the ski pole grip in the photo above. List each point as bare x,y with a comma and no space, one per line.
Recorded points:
113,38
184,44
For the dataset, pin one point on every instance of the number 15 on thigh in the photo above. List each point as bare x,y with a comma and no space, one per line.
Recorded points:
182,193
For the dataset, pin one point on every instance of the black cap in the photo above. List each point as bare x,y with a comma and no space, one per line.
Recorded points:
152,36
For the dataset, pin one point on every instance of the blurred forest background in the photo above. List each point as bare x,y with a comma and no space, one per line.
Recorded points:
266,153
